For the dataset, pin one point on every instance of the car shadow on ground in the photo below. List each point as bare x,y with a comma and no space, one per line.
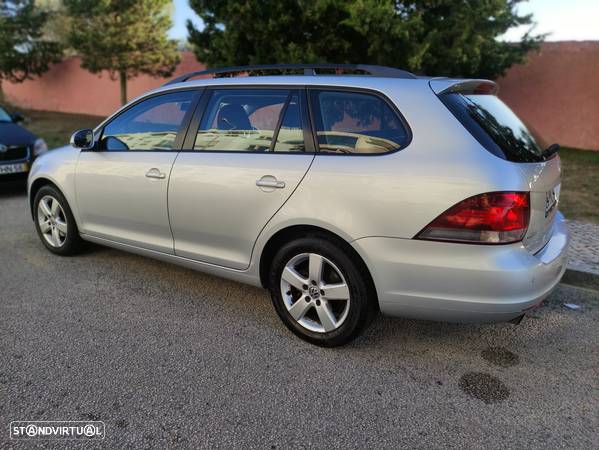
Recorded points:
13,188
384,332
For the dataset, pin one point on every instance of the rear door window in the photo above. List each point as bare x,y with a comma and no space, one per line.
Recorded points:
356,123
251,120
290,136
495,126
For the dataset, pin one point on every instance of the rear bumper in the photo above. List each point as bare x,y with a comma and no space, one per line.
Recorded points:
463,283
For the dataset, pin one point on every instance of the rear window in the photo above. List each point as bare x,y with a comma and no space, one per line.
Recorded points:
495,126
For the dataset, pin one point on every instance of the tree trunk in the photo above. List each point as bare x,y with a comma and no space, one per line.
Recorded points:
123,82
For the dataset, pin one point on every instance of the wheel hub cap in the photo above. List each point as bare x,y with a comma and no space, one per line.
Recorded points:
314,292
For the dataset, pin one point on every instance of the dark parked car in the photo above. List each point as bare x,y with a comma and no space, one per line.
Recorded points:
18,147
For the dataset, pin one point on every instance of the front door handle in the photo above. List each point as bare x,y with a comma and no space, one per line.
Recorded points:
155,173
268,181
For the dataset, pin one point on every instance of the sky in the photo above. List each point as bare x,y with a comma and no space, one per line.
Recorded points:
181,13
565,20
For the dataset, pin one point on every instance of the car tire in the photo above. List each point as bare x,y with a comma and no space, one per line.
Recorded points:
55,223
306,282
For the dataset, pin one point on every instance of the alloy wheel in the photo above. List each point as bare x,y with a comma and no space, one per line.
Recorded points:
315,292
52,221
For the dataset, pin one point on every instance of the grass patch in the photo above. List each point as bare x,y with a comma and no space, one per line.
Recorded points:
580,168
56,127
579,198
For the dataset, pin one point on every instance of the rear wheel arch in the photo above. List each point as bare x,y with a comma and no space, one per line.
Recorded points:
289,234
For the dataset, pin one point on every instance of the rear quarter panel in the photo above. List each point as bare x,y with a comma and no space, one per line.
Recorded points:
398,194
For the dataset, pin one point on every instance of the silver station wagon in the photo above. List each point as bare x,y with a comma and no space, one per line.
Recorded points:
343,189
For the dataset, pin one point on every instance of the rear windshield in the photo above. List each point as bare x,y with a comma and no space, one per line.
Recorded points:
495,126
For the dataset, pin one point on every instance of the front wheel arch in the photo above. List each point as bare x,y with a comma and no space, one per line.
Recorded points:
62,214
36,186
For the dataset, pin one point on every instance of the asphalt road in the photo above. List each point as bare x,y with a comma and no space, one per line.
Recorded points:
167,357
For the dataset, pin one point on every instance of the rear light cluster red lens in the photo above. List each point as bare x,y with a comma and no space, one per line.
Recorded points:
491,218
484,89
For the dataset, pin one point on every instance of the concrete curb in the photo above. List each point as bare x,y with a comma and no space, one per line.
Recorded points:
575,277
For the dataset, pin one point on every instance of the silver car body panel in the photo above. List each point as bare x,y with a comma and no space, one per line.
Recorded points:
221,221
204,185
117,201
59,167
456,282
443,85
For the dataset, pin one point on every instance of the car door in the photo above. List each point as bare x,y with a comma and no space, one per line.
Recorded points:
122,183
246,151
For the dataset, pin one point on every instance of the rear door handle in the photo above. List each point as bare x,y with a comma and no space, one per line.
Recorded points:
155,173
269,181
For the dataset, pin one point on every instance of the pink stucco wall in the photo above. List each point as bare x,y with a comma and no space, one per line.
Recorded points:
68,88
556,92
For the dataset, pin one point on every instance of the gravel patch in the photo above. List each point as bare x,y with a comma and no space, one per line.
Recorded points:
584,247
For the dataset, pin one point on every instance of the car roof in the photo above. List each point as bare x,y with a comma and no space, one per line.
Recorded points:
305,69
380,84
342,75
372,83
351,75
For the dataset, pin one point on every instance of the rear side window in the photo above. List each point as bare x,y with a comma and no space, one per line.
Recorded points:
356,123
495,126
251,120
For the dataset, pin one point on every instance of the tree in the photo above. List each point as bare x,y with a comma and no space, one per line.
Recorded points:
437,37
24,51
124,37
57,26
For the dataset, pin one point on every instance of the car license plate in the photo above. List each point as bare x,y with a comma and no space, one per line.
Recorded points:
13,168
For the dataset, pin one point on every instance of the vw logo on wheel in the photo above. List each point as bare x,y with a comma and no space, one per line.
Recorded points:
314,292
3,148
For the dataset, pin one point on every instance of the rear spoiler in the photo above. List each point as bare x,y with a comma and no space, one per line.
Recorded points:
445,85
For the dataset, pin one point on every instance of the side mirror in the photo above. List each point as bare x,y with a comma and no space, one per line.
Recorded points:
83,139
16,117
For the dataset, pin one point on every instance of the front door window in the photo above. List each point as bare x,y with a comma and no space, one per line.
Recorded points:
150,125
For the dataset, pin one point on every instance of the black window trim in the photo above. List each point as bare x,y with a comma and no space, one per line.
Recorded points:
358,90
197,93
275,134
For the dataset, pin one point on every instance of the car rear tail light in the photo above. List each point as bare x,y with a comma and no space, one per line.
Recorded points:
491,218
485,89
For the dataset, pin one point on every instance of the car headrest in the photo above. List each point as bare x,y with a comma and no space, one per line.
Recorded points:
233,117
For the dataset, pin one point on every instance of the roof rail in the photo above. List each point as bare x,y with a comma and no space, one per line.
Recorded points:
308,69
